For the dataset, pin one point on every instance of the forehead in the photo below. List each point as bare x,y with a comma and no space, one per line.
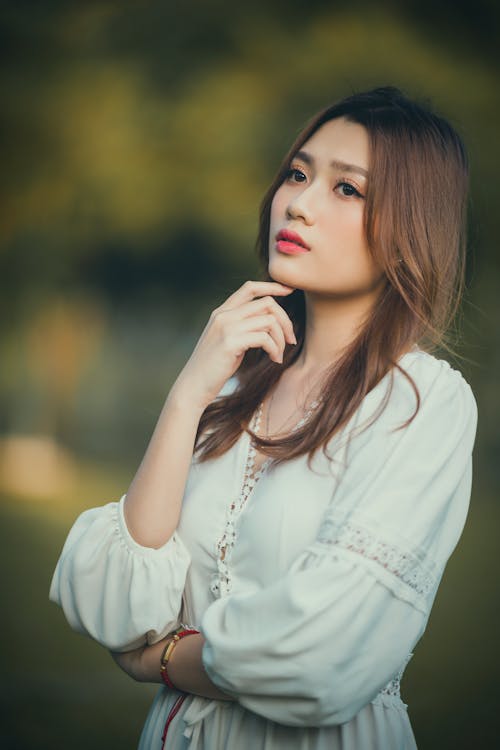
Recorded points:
340,140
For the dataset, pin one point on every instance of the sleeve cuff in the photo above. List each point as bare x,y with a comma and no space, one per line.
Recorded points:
128,540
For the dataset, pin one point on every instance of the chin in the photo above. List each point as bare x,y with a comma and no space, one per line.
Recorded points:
290,277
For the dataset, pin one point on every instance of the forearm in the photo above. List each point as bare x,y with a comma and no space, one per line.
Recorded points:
153,502
154,498
185,667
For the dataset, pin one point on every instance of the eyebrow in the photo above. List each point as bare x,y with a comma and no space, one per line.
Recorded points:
336,164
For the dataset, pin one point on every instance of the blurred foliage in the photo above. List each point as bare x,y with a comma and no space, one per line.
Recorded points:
137,139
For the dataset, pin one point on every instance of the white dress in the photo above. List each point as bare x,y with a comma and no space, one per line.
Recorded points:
326,585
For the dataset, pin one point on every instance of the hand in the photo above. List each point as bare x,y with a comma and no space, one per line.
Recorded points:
249,318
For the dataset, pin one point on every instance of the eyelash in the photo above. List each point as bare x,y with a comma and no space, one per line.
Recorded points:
342,182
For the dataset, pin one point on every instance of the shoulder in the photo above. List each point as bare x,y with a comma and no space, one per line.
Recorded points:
425,391
431,371
442,388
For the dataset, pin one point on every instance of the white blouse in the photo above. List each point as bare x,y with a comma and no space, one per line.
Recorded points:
311,587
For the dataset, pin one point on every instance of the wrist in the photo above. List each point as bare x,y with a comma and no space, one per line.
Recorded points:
169,649
183,398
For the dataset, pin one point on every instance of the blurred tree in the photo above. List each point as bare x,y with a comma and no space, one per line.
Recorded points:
139,137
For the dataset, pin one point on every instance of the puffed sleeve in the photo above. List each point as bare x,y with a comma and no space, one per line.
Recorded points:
317,645
114,590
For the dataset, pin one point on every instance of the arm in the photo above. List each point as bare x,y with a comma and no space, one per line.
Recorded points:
153,502
185,666
154,499
121,574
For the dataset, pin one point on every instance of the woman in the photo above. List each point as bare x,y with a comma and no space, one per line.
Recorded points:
309,475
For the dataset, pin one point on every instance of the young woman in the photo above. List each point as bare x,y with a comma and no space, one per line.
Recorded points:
309,475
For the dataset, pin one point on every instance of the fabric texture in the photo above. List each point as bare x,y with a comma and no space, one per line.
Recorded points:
328,586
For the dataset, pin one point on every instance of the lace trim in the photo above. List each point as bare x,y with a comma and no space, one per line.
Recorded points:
393,687
407,565
221,581
221,584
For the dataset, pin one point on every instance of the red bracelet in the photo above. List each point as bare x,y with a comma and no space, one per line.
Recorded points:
168,652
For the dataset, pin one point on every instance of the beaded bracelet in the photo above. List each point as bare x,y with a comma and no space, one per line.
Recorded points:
167,652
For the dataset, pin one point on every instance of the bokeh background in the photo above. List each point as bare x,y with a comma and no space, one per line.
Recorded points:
137,141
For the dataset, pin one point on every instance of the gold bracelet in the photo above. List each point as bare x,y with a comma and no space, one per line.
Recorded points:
167,652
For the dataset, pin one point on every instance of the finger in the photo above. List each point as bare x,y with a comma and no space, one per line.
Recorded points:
268,304
252,289
265,341
264,323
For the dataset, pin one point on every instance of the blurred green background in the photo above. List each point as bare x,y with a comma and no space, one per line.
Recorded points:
137,141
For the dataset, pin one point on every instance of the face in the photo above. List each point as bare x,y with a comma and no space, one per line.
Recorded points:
321,202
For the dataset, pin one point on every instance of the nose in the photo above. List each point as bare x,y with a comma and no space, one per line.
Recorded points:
301,205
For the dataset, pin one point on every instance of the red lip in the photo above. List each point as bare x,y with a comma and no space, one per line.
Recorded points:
288,236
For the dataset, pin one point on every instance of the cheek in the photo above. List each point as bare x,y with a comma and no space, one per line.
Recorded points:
278,205
347,230
345,225
351,218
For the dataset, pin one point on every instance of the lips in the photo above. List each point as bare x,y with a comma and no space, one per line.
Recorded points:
290,243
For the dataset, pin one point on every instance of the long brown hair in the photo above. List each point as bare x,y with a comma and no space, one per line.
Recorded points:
415,216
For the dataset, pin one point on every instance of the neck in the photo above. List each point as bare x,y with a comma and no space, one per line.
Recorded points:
331,325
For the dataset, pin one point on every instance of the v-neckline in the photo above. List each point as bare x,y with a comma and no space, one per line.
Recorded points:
251,451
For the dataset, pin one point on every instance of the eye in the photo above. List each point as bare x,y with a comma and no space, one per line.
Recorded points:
295,175
347,190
